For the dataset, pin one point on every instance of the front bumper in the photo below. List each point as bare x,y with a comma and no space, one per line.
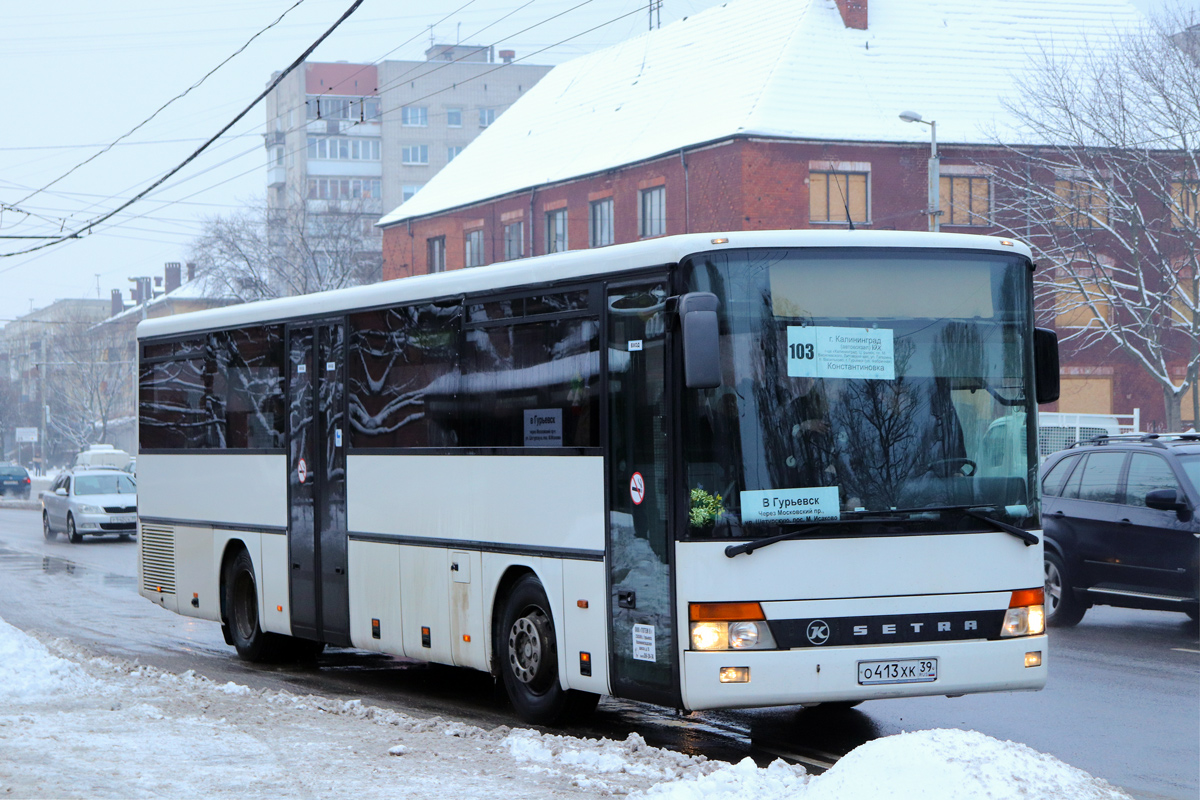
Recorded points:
96,524
819,675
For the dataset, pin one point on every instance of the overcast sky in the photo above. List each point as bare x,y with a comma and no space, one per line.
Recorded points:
81,74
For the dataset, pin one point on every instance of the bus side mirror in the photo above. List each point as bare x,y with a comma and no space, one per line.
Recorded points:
1045,364
701,348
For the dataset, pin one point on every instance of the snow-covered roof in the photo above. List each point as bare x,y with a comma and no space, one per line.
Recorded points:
787,68
201,288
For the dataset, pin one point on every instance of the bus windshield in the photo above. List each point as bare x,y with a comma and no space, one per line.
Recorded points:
887,386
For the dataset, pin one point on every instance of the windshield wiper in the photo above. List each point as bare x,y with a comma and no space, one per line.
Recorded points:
749,547
1025,536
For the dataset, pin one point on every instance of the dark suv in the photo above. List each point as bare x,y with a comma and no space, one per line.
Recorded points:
1121,525
14,481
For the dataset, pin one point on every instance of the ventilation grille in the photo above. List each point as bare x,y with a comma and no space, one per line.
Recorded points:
157,544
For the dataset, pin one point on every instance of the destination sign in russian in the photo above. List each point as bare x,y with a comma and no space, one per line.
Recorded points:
822,352
791,505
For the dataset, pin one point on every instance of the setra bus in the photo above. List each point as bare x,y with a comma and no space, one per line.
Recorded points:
711,470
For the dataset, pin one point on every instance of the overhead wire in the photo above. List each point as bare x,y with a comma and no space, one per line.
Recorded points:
270,86
159,110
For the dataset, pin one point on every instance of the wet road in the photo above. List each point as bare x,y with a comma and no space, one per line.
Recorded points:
1122,702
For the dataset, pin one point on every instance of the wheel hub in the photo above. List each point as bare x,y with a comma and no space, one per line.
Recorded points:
526,641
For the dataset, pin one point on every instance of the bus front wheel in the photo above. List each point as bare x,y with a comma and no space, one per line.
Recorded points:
528,649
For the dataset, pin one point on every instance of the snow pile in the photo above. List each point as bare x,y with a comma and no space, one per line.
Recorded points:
954,765
742,781
28,671
72,724
600,757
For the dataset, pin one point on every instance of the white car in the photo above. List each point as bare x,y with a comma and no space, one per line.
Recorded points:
90,502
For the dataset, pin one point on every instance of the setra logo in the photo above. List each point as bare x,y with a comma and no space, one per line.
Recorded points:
818,631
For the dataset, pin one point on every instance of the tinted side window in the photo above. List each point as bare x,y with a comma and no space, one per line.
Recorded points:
222,392
248,388
1052,484
530,384
1101,472
174,405
403,373
1147,472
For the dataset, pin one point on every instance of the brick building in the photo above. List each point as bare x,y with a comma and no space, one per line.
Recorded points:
764,115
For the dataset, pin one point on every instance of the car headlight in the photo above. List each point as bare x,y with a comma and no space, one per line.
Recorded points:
84,509
729,626
1026,615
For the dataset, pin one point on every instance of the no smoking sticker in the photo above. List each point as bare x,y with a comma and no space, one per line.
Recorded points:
302,471
637,488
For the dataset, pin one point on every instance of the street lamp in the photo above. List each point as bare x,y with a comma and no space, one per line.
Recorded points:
935,203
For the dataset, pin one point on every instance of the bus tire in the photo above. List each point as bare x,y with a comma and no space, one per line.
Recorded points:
1063,609
529,655
241,607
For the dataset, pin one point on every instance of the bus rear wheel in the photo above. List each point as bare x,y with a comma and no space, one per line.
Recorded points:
529,658
242,618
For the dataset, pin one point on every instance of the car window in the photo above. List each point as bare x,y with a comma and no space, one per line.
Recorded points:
116,483
1099,479
12,472
1147,472
1191,466
67,484
1053,482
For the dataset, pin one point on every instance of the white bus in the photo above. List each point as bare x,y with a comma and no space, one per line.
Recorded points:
703,471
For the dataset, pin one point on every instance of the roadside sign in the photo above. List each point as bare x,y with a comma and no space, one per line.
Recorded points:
27,435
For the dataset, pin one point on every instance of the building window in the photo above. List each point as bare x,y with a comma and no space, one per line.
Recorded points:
454,117
435,251
326,107
964,200
279,156
414,116
486,117
415,154
473,242
1080,204
1185,204
652,212
452,151
514,241
370,110
344,188
556,231
832,196
333,148
408,190
600,223
1083,298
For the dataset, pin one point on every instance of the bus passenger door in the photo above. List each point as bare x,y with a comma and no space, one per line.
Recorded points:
319,591
643,644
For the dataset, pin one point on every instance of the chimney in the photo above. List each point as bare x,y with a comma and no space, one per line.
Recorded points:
172,272
191,268
507,56
118,303
854,13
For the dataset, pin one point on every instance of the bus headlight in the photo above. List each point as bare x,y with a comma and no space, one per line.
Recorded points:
729,626
1026,614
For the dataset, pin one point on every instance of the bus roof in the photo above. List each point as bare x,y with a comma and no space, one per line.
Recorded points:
553,268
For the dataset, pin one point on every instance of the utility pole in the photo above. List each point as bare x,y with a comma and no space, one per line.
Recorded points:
655,9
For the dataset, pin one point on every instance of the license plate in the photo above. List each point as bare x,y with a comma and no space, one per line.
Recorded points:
119,518
908,670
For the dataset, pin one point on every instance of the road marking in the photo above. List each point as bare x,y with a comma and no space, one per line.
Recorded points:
1184,650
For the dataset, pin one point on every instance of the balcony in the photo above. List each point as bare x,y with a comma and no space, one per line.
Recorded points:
276,176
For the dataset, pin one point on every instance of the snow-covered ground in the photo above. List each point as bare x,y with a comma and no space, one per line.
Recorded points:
75,725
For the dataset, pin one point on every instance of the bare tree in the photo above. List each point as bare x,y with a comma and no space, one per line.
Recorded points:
89,383
1109,200
307,246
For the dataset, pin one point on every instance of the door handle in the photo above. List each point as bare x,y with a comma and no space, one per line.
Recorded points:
1125,523
1058,515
